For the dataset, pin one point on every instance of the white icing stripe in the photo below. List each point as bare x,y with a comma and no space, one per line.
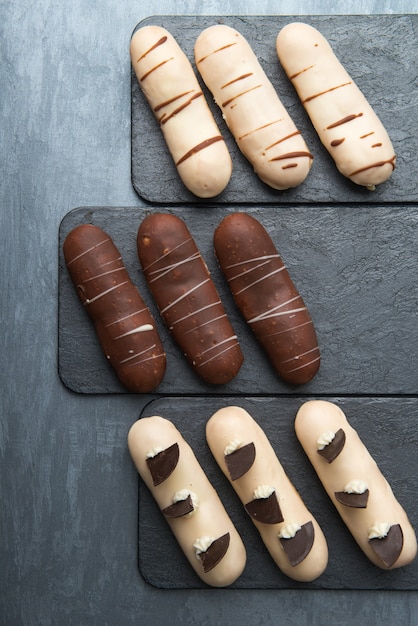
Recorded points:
214,347
204,308
215,356
125,317
299,356
288,330
246,272
148,358
140,329
211,321
134,356
167,269
302,366
118,269
96,245
184,295
259,258
259,280
166,254
104,293
271,312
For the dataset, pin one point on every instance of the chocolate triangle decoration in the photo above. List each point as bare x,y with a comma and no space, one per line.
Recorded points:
298,547
214,553
163,464
354,500
333,449
389,548
179,509
240,461
265,510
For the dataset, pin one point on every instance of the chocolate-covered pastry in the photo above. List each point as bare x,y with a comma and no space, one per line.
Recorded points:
187,298
370,510
124,325
267,297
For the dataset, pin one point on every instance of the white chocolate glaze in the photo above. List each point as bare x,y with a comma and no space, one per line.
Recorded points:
318,416
251,107
172,90
345,122
234,423
151,434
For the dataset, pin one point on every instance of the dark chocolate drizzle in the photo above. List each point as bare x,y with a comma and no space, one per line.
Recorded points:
333,449
163,464
265,510
214,553
389,548
354,500
298,547
179,509
240,461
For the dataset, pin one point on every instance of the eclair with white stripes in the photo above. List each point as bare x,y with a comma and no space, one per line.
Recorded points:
345,122
187,500
267,297
187,298
167,79
124,325
262,127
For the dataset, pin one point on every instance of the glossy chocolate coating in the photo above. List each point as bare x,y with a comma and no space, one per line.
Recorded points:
123,323
267,297
187,298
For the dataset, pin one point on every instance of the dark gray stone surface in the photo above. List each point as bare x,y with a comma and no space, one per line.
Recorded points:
379,52
68,489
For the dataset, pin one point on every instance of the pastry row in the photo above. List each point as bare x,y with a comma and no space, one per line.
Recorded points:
250,104
294,539
189,303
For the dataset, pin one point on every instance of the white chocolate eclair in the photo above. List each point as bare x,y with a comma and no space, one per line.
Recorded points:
167,79
290,533
356,486
345,122
188,501
251,107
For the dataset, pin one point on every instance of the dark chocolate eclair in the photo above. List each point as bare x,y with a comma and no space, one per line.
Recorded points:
187,298
267,297
162,464
123,323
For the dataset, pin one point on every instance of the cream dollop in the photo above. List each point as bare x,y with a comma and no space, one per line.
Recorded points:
202,544
153,452
263,491
379,530
289,530
356,486
183,494
232,446
325,439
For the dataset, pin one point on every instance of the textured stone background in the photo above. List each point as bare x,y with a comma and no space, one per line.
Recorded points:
69,507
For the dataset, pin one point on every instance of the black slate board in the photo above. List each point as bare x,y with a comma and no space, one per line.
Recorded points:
355,266
388,427
380,54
